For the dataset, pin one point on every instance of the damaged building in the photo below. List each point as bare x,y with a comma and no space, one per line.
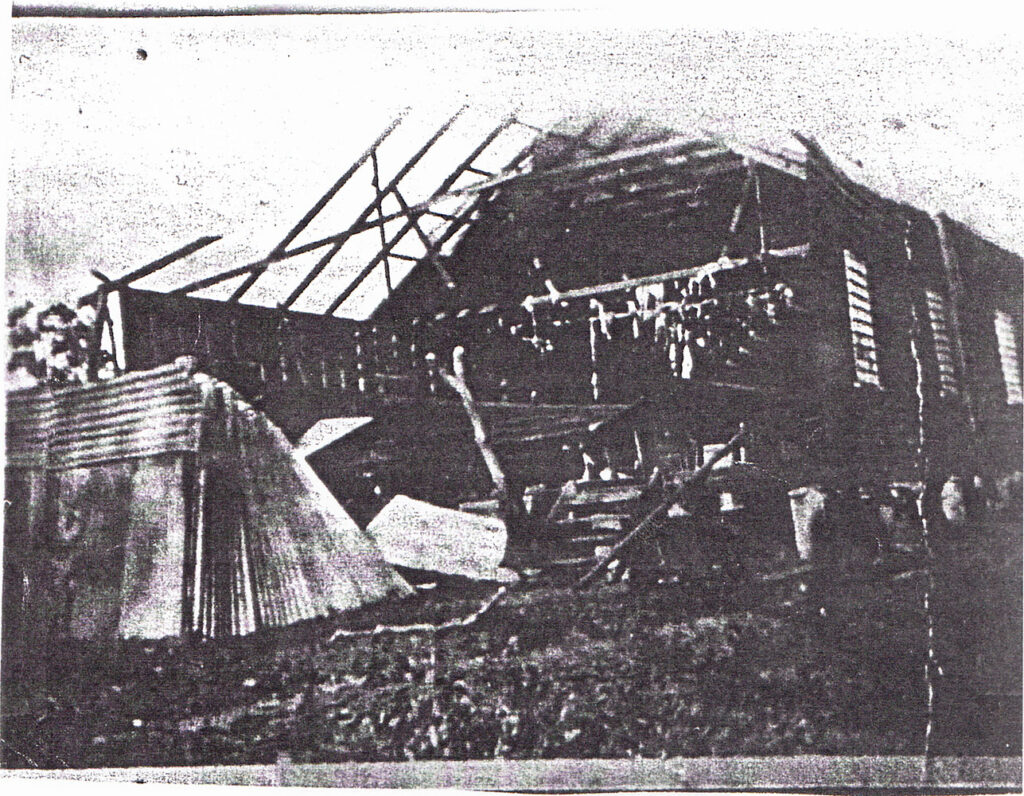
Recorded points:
606,310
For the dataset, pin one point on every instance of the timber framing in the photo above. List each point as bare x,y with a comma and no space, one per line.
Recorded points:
601,253
644,180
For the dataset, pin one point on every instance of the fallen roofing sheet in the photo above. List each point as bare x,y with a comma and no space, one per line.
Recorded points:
329,430
418,535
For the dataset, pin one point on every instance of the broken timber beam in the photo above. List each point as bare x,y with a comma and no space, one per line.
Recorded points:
511,504
457,381
655,514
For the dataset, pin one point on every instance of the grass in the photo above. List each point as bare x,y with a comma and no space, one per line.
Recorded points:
833,663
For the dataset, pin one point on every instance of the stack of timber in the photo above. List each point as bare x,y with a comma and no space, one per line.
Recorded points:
569,526
589,516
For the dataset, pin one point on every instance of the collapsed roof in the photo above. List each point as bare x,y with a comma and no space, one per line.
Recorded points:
635,173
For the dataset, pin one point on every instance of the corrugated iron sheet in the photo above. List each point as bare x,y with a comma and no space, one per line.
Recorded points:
131,416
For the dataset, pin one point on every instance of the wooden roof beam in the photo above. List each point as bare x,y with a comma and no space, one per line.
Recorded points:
273,257
380,214
110,285
628,284
312,213
867,205
425,207
587,180
413,214
428,244
336,246
689,163
655,192
673,146
788,161
369,153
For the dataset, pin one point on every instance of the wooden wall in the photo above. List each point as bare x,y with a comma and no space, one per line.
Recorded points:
814,420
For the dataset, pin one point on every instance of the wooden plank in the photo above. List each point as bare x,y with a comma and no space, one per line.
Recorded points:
858,295
223,276
860,314
693,171
683,273
673,146
865,330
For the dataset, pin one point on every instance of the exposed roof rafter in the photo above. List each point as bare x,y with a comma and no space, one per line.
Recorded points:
413,214
367,211
312,213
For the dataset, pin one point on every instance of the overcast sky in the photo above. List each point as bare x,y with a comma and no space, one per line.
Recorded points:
132,137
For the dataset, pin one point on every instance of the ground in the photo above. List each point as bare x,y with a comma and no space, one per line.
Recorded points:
815,662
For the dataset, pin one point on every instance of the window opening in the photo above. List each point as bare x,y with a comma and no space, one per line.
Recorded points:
1006,340
862,327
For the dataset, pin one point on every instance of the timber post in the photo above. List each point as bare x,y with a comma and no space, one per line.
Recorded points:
509,501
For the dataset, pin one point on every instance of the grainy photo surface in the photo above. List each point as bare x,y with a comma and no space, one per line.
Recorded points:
512,400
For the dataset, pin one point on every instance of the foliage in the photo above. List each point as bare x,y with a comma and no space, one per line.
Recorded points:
52,345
